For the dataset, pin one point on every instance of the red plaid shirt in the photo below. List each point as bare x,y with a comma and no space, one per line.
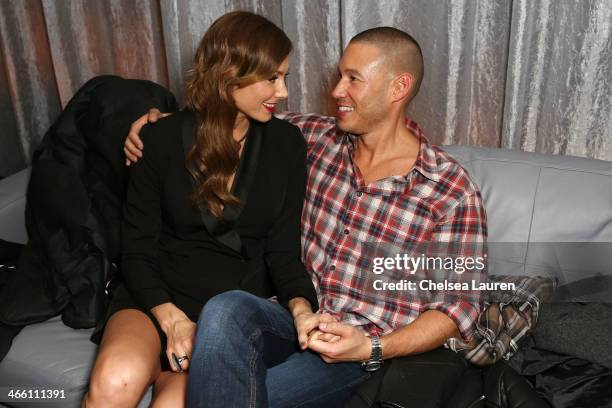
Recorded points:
436,202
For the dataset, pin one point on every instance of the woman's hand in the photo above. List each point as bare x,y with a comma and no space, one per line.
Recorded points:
180,342
305,320
307,324
133,145
180,334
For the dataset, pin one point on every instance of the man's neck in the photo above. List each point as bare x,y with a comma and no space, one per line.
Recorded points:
390,150
386,140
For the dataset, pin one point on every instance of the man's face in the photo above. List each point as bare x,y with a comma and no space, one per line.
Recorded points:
362,91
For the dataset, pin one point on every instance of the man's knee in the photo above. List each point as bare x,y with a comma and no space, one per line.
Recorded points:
227,312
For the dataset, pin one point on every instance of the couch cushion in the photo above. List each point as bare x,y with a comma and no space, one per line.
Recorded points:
547,215
533,197
12,207
53,356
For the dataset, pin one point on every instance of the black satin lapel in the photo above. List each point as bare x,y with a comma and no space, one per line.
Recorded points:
245,175
241,184
219,230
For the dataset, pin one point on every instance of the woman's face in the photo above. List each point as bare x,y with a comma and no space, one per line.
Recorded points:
258,100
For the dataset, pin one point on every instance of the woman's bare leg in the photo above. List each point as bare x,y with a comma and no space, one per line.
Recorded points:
127,361
170,390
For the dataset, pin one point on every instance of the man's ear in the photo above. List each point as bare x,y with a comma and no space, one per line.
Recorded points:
402,86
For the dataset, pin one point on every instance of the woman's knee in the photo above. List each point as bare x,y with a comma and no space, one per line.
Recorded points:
127,361
119,380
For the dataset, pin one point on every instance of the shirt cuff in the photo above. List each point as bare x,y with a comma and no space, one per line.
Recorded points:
464,314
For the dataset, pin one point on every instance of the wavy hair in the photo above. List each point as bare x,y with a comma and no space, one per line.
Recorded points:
238,49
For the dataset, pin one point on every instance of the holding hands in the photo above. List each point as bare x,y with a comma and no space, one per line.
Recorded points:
305,320
324,334
307,325
340,342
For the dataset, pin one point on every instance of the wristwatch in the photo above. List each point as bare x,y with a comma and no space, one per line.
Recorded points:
375,361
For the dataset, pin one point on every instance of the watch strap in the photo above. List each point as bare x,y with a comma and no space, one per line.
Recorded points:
375,362
376,349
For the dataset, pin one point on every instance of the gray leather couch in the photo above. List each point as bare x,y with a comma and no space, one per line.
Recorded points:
530,198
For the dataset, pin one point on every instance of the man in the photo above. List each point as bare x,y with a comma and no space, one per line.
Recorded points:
373,179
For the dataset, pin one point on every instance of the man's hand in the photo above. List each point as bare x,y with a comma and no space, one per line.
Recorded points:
133,145
340,342
319,335
306,324
305,320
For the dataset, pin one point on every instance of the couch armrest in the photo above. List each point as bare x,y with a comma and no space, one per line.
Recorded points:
12,207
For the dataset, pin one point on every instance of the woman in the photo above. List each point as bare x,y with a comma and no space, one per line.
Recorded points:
213,206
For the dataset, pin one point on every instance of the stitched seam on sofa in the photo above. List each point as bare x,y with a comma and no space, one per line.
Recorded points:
542,166
11,203
59,379
464,155
535,199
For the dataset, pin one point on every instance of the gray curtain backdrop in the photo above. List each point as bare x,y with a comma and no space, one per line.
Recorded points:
526,74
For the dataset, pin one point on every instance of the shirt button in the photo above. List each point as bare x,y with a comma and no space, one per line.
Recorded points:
332,268
346,232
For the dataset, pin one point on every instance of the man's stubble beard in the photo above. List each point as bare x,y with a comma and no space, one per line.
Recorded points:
374,115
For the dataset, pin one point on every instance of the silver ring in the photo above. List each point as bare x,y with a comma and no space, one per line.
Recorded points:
181,359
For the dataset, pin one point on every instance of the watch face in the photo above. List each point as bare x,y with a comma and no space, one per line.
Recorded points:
370,366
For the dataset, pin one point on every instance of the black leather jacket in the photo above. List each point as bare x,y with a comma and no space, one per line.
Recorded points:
73,208
496,386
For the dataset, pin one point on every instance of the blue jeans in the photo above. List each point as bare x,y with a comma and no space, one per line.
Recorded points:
246,355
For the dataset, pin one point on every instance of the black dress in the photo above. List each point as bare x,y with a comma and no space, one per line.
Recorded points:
173,253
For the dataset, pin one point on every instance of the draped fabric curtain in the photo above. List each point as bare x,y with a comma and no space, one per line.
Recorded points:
523,74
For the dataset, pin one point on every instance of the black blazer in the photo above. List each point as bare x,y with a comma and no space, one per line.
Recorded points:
173,253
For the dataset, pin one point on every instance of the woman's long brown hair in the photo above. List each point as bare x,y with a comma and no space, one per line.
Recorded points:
238,49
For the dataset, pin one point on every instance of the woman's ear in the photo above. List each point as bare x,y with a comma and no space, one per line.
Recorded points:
230,92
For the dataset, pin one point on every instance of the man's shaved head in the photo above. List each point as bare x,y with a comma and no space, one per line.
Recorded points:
402,53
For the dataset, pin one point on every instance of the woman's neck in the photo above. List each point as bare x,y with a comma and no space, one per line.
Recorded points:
241,126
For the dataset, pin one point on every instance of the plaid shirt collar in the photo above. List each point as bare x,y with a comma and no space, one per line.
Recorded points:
425,163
